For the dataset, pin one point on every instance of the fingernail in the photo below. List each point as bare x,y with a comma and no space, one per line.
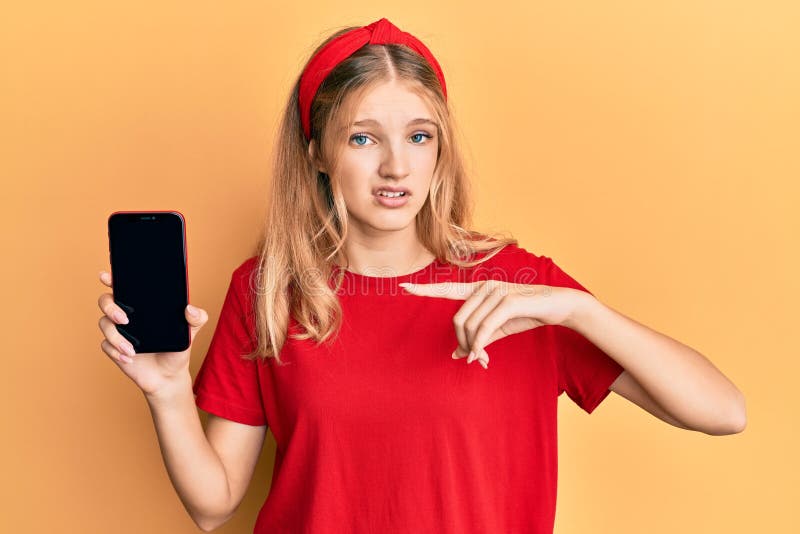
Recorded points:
192,310
125,358
120,317
471,356
454,355
484,364
128,349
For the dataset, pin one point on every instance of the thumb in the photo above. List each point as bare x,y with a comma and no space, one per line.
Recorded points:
196,318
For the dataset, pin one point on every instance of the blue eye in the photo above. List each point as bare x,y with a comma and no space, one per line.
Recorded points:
422,134
356,136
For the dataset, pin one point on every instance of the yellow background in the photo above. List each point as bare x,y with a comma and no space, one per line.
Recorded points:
650,148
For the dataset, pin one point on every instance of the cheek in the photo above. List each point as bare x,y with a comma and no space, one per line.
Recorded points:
354,181
426,159
354,170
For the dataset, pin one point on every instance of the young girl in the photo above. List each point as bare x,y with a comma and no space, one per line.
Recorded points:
351,332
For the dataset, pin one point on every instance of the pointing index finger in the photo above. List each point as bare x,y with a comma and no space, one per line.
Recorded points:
448,290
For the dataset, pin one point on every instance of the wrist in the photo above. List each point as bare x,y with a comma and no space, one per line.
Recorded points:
170,389
584,304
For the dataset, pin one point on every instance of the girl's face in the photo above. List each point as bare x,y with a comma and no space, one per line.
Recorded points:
391,144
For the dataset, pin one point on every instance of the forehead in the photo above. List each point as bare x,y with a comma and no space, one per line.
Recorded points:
390,103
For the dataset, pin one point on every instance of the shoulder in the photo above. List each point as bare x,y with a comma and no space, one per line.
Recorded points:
242,276
247,266
516,253
516,264
540,269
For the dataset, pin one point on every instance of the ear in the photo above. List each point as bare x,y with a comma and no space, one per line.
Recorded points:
312,153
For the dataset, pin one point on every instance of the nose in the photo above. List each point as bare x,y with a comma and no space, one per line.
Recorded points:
394,163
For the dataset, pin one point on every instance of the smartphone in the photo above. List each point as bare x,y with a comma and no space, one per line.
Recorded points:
147,252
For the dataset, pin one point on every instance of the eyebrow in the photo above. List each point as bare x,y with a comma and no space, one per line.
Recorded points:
364,122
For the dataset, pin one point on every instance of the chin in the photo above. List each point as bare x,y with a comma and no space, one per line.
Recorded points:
386,222
390,226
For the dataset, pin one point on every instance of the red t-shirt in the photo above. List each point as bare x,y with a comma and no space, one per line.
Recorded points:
382,431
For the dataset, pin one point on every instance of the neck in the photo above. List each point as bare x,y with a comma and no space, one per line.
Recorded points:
392,256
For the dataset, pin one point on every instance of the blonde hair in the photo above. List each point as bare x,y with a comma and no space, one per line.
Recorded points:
307,222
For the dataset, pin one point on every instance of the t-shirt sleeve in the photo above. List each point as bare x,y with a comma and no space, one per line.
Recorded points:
585,372
227,385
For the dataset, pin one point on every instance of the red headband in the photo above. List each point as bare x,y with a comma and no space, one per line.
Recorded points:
379,32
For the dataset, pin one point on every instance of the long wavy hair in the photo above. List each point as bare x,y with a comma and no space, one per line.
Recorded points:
307,221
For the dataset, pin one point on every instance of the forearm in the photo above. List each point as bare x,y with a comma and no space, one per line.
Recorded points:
680,379
195,469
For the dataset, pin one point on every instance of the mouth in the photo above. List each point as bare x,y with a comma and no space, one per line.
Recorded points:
391,197
391,192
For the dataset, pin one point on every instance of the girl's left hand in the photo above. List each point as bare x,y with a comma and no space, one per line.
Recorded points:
495,309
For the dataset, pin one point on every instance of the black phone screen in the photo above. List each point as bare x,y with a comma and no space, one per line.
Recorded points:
149,278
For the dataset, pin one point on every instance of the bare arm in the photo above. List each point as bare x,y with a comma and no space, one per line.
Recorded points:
209,473
668,376
627,386
238,446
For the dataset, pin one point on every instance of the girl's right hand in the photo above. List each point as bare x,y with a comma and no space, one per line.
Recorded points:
151,372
